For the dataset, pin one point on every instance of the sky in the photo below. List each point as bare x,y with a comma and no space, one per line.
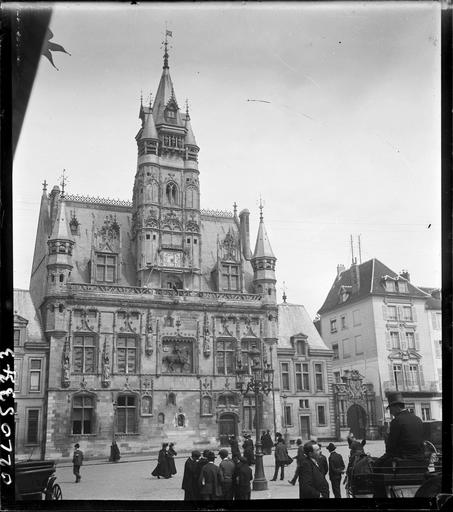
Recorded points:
345,139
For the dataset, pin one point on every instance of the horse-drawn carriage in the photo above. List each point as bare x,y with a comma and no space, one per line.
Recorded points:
364,479
36,479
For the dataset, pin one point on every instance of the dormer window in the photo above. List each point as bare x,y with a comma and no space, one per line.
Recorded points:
170,115
344,293
301,347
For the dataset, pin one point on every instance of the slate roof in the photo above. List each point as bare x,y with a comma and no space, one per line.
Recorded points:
23,306
371,273
293,319
262,246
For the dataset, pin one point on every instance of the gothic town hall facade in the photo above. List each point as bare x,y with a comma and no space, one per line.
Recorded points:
148,306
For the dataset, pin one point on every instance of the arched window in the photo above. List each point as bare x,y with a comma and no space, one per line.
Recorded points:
61,278
181,421
82,414
171,193
161,418
171,400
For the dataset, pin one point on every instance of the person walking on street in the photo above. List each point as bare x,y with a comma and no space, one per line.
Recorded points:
248,450
163,467
243,477
323,464
266,442
278,436
312,483
226,468
281,459
189,479
235,452
77,461
171,458
299,456
210,480
336,469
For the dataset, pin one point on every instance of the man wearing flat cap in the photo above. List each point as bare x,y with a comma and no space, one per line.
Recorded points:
336,469
405,439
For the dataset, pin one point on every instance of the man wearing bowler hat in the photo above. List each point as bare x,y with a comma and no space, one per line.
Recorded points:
405,439
336,468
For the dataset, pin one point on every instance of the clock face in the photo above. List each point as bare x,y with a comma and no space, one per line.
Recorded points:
171,259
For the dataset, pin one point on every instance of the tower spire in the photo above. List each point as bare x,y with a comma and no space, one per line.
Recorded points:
168,33
63,182
261,209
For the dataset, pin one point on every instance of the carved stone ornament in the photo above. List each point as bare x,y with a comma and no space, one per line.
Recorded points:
206,337
107,236
66,373
105,367
149,335
192,226
171,221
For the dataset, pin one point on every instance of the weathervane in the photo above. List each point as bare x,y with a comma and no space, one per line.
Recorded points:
261,206
63,182
168,33
284,292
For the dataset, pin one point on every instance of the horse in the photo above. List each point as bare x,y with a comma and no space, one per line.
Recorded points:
359,469
177,357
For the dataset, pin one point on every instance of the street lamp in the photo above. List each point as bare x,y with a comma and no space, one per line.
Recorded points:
259,382
114,452
285,396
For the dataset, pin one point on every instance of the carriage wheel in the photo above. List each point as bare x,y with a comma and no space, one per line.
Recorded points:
56,493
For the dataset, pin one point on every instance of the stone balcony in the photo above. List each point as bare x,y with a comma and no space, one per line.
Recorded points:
161,294
427,387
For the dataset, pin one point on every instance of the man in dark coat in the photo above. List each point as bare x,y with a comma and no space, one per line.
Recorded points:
163,466
210,480
189,480
226,468
235,452
299,457
77,461
281,459
405,439
336,469
248,449
312,483
243,476
267,443
323,464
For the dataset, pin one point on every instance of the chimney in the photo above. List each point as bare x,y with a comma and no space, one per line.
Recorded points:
244,229
406,275
54,198
355,277
340,268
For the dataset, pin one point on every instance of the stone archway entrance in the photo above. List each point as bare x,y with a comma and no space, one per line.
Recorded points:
355,407
227,427
357,421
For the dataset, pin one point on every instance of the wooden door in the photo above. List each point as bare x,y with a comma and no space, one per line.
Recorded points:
305,428
227,427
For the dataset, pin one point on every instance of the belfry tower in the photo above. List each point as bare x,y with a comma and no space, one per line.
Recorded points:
166,194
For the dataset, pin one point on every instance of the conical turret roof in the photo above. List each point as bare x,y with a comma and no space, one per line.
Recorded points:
190,137
262,247
60,227
165,96
149,129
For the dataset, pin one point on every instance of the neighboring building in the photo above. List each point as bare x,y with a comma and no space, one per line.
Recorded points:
434,309
305,369
30,364
147,306
376,323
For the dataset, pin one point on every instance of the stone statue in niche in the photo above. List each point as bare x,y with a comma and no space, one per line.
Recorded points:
105,371
66,371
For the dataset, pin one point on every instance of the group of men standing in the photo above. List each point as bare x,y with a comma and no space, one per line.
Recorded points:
312,468
204,480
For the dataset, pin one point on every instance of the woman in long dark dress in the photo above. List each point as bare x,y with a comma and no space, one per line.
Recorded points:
235,452
171,461
163,466
248,450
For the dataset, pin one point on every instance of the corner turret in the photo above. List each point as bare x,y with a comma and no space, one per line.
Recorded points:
263,263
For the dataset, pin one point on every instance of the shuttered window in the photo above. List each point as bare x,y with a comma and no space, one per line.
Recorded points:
84,354
32,426
82,415
127,354
126,413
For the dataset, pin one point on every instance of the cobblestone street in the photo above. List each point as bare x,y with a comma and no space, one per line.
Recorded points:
130,479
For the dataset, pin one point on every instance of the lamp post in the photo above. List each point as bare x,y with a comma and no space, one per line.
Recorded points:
113,457
285,396
260,383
